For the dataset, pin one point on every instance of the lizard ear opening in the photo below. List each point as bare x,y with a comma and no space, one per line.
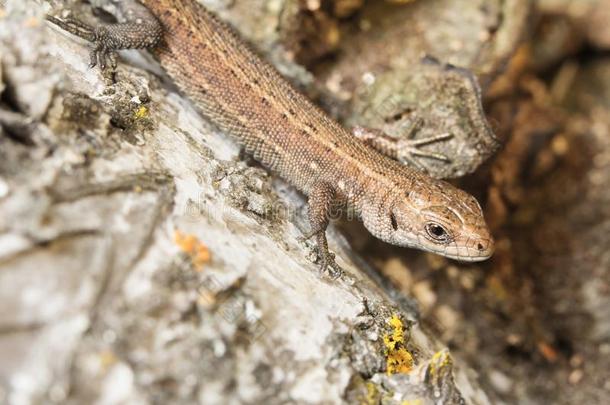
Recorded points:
393,221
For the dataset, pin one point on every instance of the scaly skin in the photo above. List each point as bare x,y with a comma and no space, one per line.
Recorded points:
281,128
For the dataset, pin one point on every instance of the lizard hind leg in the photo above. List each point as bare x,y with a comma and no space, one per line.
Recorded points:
407,151
321,200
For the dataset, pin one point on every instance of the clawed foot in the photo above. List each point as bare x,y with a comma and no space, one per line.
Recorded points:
408,150
100,55
328,265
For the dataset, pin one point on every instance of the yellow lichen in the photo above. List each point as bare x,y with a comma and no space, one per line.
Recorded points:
398,358
194,248
440,360
417,401
372,394
141,112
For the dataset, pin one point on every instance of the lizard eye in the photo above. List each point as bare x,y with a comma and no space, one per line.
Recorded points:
437,232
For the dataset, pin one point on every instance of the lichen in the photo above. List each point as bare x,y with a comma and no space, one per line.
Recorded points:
398,358
372,394
440,361
417,401
141,112
198,253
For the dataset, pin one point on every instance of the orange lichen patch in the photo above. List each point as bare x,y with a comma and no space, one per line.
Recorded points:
398,358
194,248
399,361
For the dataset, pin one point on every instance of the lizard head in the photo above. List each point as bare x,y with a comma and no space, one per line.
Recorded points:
437,218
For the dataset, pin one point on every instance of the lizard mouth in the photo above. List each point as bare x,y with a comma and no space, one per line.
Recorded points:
470,259
472,251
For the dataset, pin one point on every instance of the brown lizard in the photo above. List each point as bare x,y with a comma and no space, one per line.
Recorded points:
246,97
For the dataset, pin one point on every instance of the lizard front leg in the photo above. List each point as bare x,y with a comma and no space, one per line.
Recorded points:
406,151
321,200
140,30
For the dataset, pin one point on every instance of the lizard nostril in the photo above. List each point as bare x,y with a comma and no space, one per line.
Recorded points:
480,246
